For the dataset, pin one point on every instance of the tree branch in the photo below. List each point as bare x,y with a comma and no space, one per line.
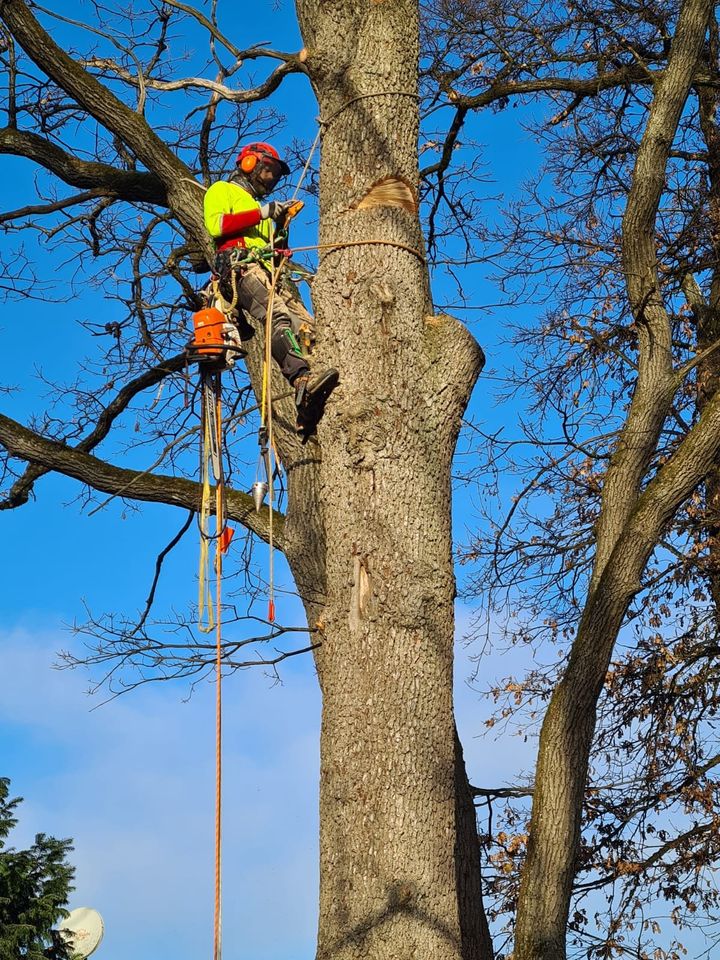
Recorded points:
229,94
580,88
152,488
183,191
127,185
699,830
44,209
494,793
20,491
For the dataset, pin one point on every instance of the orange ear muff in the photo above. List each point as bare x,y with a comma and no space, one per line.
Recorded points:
248,163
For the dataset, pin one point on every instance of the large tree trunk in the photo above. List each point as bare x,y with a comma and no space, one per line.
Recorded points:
398,850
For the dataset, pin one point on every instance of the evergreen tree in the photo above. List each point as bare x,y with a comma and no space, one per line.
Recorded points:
34,888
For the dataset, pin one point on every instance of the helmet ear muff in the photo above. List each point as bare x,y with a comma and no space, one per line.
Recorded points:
248,163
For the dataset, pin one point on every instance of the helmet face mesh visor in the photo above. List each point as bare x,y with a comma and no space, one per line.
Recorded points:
264,178
273,166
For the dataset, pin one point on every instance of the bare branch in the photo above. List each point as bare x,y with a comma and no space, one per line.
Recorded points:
158,569
229,94
118,118
21,489
43,209
152,488
108,181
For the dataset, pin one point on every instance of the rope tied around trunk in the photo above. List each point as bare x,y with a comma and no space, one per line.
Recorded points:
365,96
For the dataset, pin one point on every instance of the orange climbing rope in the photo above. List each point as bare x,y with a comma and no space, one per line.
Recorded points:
220,527
209,618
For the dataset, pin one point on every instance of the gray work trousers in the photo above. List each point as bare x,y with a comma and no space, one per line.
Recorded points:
289,315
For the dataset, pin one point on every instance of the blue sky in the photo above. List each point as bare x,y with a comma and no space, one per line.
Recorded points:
132,781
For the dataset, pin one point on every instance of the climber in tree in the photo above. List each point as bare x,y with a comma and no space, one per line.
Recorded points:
241,221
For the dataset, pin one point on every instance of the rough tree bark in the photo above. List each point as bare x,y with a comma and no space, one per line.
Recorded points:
368,529
628,528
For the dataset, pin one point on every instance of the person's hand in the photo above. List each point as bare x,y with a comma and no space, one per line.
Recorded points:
231,336
276,210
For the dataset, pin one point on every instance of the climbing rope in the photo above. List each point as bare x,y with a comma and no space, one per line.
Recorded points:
267,453
209,615
325,122
205,607
211,466
362,243
307,162
219,513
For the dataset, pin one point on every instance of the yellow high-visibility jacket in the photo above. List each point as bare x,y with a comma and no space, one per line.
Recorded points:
232,217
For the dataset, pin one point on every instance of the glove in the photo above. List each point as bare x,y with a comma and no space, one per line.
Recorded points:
231,335
276,210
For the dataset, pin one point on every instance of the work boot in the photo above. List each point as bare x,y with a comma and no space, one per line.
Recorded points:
311,393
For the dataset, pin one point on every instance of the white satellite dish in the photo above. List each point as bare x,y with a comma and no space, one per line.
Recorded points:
82,930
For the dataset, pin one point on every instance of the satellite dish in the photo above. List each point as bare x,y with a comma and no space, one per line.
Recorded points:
82,930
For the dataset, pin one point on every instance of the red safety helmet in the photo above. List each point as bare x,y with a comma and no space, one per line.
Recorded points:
254,153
